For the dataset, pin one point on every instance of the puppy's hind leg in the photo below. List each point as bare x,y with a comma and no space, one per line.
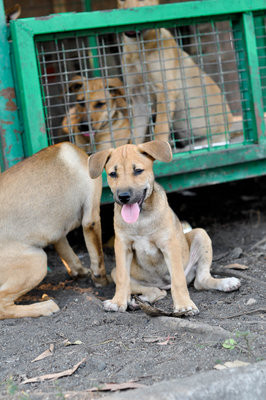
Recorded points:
201,253
21,269
146,293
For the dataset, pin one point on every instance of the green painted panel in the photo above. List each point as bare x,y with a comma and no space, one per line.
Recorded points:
261,45
87,5
255,94
35,137
10,129
158,14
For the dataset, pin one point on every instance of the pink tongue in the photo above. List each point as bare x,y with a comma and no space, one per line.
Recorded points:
130,213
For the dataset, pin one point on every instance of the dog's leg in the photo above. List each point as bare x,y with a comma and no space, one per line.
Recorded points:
21,269
147,293
201,257
93,238
165,107
69,258
123,256
141,114
173,258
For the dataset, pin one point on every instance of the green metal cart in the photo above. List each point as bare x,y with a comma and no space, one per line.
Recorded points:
226,41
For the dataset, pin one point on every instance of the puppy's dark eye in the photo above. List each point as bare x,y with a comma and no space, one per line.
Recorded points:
82,103
113,174
138,171
99,104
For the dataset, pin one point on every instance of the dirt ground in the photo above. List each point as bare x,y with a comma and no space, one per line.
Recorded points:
133,348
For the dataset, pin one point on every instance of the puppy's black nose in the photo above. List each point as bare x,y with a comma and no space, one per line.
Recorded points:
124,197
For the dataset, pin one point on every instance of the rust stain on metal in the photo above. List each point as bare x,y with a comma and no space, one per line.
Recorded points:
9,94
9,149
42,129
6,122
3,144
18,135
259,120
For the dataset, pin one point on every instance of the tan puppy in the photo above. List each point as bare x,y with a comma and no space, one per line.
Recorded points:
150,245
42,199
158,73
99,119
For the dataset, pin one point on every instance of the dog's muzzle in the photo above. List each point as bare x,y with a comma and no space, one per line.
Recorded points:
85,129
131,34
130,197
131,202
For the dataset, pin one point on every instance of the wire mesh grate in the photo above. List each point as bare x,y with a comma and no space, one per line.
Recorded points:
260,31
183,84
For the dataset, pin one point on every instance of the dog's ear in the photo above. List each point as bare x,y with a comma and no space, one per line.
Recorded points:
97,162
157,149
115,87
75,84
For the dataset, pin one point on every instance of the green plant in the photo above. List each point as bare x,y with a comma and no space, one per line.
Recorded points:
229,344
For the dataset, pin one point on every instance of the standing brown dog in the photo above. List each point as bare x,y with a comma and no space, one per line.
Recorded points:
99,119
150,247
159,73
42,199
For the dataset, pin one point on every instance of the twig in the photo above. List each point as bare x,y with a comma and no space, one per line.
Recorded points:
262,310
258,243
238,275
198,328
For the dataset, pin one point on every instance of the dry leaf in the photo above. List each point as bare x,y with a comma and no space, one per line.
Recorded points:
159,340
231,364
152,339
113,387
236,266
167,341
52,377
46,353
68,343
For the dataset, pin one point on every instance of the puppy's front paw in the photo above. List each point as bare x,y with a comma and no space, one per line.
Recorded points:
188,309
229,284
111,305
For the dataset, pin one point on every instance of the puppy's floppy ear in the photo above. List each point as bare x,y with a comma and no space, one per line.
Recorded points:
115,87
157,149
97,162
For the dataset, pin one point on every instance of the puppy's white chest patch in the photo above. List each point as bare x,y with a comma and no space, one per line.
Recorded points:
150,258
145,247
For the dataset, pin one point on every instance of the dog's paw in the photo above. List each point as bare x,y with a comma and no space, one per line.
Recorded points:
229,284
100,281
77,270
49,307
189,309
110,305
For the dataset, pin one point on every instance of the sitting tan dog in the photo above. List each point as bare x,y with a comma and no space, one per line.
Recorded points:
42,199
165,81
151,249
99,119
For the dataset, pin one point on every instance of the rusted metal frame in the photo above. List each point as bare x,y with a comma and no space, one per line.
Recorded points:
10,130
29,90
